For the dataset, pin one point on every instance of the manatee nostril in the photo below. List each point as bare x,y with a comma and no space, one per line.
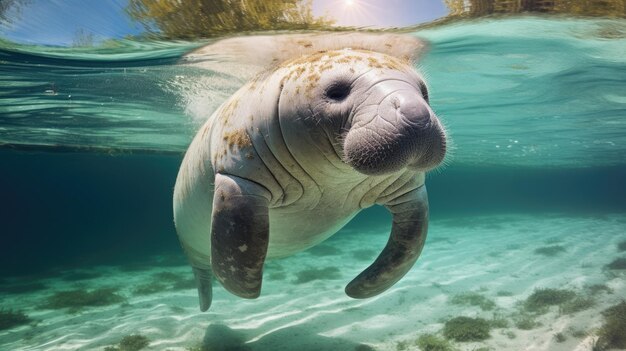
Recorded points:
395,102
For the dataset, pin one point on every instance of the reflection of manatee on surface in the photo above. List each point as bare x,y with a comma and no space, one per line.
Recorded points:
337,123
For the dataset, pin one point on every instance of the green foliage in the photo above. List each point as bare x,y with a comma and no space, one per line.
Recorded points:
598,288
560,337
617,264
184,284
498,322
175,281
549,251
541,299
612,334
526,322
466,329
165,281
6,5
478,8
133,342
364,347
10,319
431,342
149,288
77,299
166,276
473,299
176,19
580,303
509,334
578,333
504,293
402,345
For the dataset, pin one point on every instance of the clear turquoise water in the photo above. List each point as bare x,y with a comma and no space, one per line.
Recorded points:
91,139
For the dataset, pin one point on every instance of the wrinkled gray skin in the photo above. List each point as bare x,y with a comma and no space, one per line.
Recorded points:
297,153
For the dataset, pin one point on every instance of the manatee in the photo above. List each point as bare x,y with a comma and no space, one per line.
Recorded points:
296,153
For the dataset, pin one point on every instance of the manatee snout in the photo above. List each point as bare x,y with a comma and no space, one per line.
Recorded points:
401,132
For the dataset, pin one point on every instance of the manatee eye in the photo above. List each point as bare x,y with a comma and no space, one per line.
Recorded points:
338,91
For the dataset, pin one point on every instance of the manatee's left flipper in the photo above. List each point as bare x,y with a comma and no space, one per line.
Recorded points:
408,234
239,234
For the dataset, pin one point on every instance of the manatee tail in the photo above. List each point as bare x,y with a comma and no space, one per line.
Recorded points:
205,287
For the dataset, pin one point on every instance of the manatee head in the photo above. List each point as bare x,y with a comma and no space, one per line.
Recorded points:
372,106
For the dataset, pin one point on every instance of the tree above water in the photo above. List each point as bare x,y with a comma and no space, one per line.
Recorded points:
6,5
477,8
175,19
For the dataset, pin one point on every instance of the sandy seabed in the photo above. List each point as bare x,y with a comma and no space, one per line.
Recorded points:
502,258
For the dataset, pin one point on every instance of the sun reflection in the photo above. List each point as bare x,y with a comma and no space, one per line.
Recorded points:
358,13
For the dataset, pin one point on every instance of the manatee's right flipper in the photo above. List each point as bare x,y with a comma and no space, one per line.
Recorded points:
408,234
239,234
205,287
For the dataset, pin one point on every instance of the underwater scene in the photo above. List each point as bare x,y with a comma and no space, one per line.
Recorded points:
526,214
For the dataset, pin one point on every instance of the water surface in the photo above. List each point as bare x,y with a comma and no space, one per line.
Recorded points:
532,198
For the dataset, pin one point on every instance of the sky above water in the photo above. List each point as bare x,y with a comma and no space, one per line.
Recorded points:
380,13
60,22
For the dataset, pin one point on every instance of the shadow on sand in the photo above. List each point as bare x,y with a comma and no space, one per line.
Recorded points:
219,337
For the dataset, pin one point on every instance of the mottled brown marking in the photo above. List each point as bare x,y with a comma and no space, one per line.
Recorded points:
326,66
392,63
299,71
205,130
345,59
373,62
305,59
237,138
313,77
229,109
305,43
